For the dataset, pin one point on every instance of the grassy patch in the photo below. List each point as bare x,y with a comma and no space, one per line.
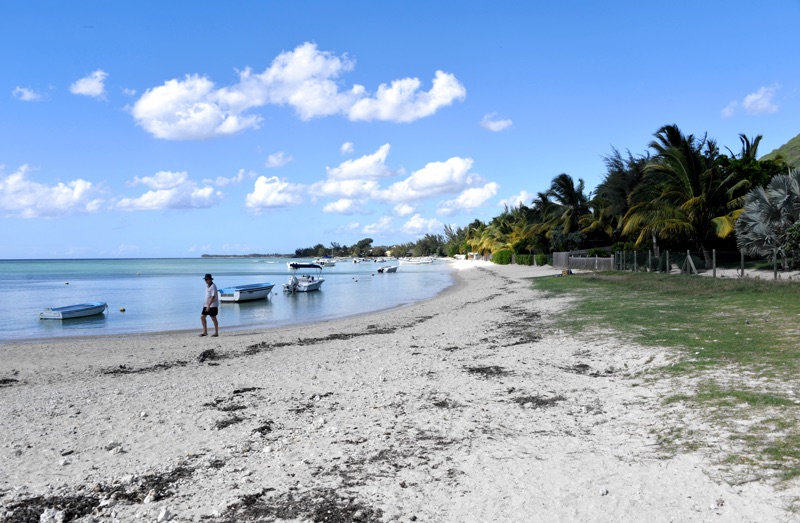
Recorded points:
743,329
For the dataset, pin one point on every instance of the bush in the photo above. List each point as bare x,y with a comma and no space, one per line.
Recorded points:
541,259
603,253
524,259
502,257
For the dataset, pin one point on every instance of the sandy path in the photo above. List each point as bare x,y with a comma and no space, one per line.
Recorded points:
467,407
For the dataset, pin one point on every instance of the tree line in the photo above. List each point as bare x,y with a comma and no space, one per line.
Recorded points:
683,193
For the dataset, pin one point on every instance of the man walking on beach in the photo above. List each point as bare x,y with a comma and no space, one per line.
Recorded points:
210,306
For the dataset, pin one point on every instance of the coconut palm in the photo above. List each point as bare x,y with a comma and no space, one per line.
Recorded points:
682,192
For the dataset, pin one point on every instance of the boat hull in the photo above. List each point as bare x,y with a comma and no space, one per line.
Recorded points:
250,292
79,310
303,284
390,268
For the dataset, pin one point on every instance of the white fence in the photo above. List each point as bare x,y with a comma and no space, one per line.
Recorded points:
567,260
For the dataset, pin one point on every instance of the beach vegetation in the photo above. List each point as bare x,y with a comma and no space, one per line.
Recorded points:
734,339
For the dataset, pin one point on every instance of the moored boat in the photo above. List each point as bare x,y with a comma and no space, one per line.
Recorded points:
304,283
79,310
388,268
249,292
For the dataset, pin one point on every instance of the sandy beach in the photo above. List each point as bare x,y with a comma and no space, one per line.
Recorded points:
470,407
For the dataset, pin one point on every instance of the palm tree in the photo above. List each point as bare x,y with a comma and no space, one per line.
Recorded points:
682,192
767,213
613,195
570,203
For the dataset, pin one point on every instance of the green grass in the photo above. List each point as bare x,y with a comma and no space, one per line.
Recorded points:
746,330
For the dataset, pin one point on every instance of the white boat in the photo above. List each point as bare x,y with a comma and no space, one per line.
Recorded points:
417,261
325,262
249,292
78,310
388,268
304,283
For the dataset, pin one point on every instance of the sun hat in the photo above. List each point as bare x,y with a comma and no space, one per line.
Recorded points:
208,277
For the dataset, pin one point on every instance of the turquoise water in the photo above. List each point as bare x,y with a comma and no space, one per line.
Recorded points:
167,294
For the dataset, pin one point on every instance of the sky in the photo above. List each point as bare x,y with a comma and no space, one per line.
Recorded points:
175,129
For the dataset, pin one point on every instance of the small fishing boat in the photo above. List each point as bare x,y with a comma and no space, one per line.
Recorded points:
78,310
388,268
249,292
304,283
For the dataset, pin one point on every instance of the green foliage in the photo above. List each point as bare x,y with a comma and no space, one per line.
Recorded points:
788,153
524,259
542,259
603,253
502,257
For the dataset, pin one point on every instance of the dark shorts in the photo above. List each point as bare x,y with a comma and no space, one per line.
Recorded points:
209,311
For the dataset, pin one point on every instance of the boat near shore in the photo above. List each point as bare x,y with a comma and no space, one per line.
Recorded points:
306,282
68,312
249,292
388,268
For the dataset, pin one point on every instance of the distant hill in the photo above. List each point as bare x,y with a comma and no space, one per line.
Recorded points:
790,152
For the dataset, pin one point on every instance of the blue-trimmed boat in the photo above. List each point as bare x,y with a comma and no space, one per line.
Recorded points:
249,292
79,310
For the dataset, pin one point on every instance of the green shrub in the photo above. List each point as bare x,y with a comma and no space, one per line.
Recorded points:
502,257
524,259
542,259
603,253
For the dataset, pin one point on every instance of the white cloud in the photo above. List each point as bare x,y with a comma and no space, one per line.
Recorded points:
371,166
761,101
489,122
26,94
305,79
23,198
278,159
92,85
129,92
757,103
435,179
382,226
344,188
272,192
347,148
404,102
522,198
403,209
417,225
170,190
221,181
469,199
346,206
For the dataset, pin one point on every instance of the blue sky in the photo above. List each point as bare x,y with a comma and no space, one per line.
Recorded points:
173,129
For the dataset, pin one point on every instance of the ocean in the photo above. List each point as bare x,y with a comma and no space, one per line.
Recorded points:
167,294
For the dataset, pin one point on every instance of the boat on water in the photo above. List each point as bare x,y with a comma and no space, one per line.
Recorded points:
306,282
79,310
249,292
388,268
325,262
417,261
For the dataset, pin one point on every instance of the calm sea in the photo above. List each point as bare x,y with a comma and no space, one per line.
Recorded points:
167,294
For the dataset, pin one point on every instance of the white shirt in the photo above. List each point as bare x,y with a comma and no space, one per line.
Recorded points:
212,296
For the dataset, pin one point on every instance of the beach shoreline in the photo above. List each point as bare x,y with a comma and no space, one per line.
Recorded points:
469,406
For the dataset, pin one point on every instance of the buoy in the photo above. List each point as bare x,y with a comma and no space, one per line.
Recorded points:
122,309
66,283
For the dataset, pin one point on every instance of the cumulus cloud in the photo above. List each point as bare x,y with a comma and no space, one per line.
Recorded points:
170,190
435,179
305,79
92,85
403,209
757,103
221,181
26,94
417,225
491,123
370,167
346,206
278,159
761,101
23,198
522,198
347,148
469,199
345,188
404,102
382,226
272,192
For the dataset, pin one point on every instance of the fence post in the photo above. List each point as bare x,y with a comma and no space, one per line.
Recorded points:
649,261
742,253
774,264
668,266
714,261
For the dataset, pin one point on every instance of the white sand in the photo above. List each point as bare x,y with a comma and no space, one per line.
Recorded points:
394,416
